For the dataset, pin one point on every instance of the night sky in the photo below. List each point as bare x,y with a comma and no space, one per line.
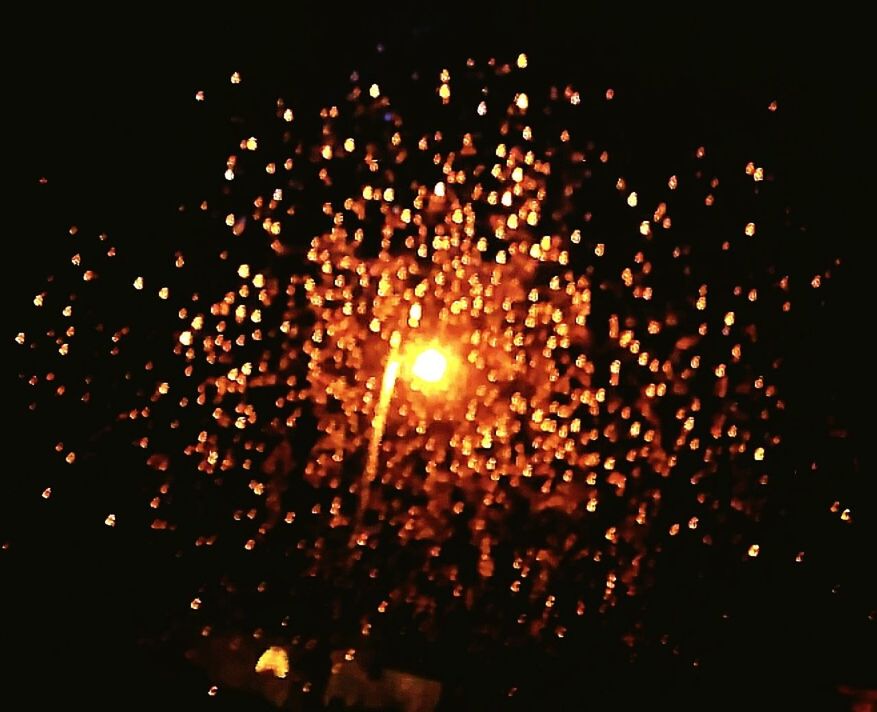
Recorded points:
95,613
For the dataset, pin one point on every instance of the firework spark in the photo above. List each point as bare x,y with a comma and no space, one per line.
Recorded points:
464,333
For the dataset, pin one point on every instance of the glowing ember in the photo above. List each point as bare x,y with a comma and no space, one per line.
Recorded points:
274,661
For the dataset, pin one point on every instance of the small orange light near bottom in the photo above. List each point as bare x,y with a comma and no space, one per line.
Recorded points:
274,661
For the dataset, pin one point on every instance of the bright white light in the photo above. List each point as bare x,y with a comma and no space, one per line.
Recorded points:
430,366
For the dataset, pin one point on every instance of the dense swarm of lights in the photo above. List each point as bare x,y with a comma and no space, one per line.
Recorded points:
554,372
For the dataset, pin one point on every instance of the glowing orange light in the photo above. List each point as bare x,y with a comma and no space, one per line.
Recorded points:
430,366
274,661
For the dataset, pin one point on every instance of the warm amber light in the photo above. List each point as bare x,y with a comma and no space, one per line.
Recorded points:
430,366
274,661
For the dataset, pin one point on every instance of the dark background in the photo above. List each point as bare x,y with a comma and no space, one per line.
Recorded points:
102,107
